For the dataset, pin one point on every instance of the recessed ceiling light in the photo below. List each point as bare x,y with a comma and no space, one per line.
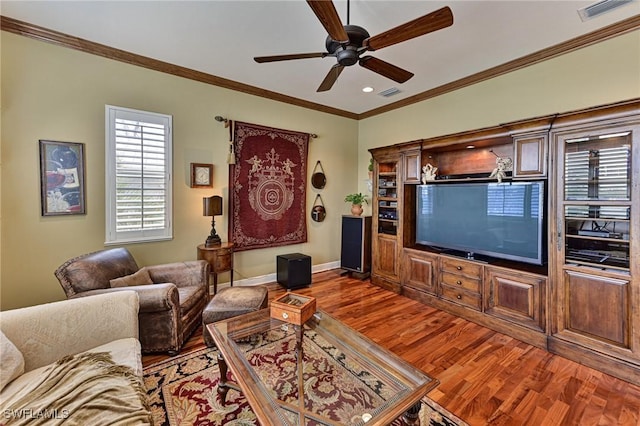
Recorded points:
470,147
367,89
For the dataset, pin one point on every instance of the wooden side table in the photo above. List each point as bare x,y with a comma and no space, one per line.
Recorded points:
220,258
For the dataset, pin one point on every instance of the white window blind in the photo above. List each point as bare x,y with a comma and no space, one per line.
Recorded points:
513,200
601,174
138,188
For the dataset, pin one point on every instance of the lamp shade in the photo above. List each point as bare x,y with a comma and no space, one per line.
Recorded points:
212,206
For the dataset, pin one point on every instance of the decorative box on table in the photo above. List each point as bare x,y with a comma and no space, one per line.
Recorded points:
293,308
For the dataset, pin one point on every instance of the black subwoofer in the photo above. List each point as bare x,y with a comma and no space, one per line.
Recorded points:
293,270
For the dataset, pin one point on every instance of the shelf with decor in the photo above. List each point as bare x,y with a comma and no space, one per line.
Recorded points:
387,218
597,201
601,242
387,199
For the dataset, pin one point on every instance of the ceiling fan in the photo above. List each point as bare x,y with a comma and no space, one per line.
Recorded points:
348,42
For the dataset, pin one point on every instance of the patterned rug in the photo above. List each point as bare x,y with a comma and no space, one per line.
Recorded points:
182,391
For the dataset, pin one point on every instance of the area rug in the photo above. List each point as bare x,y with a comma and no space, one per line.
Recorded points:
182,391
267,187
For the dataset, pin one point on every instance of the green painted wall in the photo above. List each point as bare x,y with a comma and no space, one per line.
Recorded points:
49,92
54,93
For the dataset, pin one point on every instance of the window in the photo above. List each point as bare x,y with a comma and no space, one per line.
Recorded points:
138,176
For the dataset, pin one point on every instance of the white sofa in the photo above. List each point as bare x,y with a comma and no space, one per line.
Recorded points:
45,334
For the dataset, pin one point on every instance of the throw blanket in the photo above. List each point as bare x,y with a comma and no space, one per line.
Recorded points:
84,389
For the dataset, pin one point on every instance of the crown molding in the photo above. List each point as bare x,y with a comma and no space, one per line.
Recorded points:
605,33
50,36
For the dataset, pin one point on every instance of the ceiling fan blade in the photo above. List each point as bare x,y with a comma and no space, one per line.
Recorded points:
275,58
328,16
385,69
331,78
433,21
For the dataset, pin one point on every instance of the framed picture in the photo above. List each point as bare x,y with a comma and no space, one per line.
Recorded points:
201,175
62,190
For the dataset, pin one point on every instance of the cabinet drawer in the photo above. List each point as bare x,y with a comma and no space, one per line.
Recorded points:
461,296
223,262
460,281
458,266
224,252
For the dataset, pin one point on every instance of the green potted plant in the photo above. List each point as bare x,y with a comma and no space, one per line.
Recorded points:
356,201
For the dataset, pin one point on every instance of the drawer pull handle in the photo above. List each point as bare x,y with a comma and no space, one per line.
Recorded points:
459,296
459,268
285,315
459,282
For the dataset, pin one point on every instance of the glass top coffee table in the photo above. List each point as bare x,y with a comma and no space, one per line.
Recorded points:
321,373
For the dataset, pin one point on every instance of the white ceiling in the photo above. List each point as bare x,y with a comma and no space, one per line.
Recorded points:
222,37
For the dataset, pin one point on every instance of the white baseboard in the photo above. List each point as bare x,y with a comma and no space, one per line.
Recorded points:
271,278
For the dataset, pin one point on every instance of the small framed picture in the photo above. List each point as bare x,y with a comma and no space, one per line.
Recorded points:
201,175
62,190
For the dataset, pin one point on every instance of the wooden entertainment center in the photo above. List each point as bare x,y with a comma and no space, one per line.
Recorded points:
583,303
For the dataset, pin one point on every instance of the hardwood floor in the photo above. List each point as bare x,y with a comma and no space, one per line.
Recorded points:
485,377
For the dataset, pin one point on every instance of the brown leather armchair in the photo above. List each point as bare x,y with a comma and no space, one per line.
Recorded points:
172,296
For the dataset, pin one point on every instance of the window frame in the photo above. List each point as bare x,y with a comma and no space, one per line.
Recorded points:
112,235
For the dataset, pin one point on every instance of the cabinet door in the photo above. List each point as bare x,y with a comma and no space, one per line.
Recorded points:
418,270
516,297
531,156
411,161
385,257
594,238
597,308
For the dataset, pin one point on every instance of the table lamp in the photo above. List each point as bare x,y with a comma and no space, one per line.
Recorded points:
212,206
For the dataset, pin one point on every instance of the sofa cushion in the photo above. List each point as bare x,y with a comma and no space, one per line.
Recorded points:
190,296
12,361
123,352
21,383
86,388
141,277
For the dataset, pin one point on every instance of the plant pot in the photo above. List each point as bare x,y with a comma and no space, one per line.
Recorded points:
356,209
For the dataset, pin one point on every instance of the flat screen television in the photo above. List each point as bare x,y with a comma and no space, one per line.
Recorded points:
502,220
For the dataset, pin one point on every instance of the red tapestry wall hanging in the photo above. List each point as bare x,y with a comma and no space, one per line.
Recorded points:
267,186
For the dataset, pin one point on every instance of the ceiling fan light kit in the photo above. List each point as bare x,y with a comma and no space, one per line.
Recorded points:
348,42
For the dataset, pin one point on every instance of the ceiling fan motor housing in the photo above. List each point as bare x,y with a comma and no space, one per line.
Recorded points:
347,42
348,54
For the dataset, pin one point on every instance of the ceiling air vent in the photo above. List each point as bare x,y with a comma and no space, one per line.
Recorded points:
600,7
389,92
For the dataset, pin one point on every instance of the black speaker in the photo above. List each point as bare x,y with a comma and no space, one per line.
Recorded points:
293,270
355,253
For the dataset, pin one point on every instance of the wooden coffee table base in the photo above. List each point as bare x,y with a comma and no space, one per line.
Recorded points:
412,416
224,385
